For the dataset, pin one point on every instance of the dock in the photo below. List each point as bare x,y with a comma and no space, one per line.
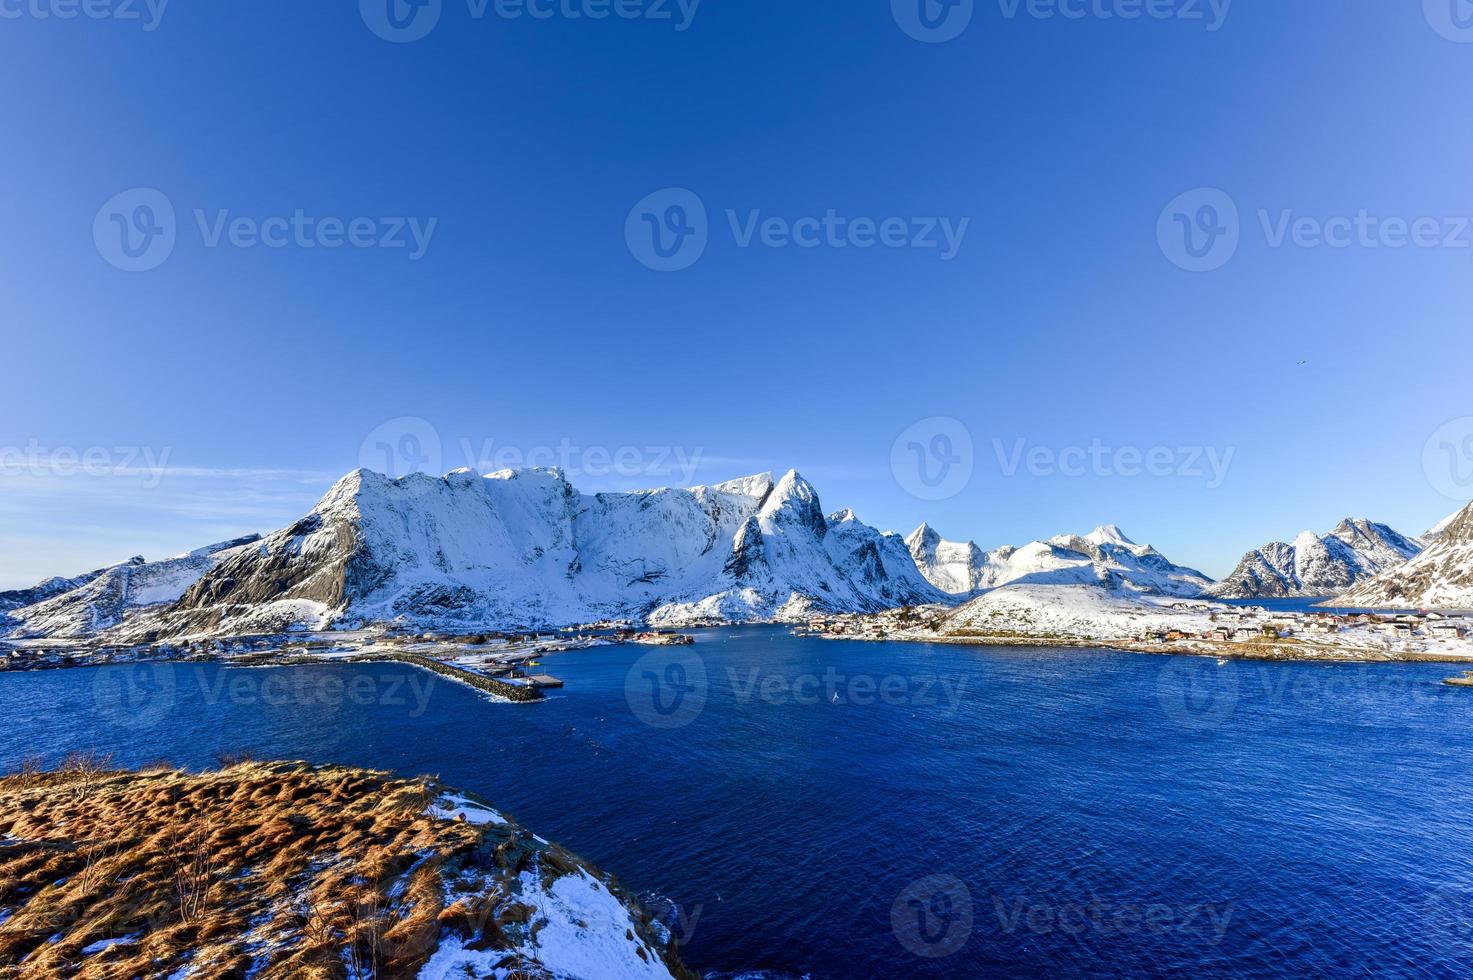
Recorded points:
538,681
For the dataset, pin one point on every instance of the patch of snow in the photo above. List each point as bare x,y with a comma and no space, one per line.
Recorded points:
103,944
584,931
454,807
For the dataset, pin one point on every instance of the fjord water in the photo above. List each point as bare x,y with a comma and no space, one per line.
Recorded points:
953,812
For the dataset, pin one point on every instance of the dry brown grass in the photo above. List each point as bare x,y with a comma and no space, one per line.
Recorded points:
276,869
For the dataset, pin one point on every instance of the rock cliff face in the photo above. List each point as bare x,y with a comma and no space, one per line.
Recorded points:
525,548
1105,556
1439,577
1317,566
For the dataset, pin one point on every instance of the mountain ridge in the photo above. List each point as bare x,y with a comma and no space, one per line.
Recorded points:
1104,556
524,548
1317,566
1440,576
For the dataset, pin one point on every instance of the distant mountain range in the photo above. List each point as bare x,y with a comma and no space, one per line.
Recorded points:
526,549
1317,566
1105,556
1440,577
102,600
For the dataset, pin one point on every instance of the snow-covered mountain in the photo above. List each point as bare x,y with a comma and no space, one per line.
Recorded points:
103,599
1440,577
1316,566
1105,556
55,586
525,548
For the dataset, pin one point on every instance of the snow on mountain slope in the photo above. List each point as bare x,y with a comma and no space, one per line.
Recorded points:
1105,556
953,567
1317,566
52,587
1435,531
1440,577
525,548
104,600
1082,612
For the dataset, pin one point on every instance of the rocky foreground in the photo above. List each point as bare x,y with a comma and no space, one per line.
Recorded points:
291,870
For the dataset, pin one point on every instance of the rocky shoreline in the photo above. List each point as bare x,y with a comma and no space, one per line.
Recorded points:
290,869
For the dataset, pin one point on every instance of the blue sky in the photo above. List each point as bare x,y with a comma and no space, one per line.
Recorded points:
1063,325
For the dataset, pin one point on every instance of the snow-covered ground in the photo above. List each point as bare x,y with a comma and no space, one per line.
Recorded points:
1088,615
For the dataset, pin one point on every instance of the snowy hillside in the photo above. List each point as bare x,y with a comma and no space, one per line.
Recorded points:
1105,556
52,587
525,548
1313,565
103,599
1072,612
1440,577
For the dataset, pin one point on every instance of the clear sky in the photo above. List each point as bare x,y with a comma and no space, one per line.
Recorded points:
1061,328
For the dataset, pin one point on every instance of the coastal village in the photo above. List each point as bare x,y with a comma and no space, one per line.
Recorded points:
1085,617
504,664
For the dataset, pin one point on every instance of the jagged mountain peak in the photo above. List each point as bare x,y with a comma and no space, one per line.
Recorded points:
1104,556
1315,565
792,504
524,548
1309,540
1440,576
758,485
1108,534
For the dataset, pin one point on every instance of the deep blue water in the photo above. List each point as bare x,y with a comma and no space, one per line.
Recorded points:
1067,811
1306,604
